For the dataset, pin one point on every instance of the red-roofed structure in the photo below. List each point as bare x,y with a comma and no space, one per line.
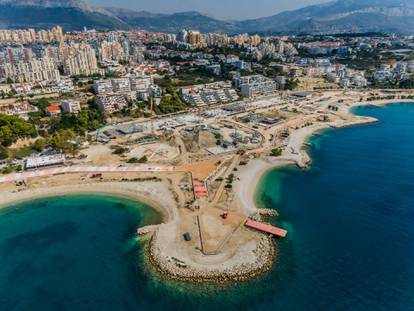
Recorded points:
53,110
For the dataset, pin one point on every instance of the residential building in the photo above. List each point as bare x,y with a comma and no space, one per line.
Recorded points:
82,63
209,94
182,36
121,85
255,85
111,51
194,37
37,70
25,36
110,103
70,106
53,111
102,86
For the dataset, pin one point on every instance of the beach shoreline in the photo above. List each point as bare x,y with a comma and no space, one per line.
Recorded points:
246,260
116,189
252,174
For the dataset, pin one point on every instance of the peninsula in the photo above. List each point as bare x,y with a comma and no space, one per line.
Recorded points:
204,191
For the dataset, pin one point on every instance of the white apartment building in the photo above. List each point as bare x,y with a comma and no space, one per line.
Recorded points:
209,94
83,62
37,70
121,85
102,86
110,103
141,83
24,36
70,106
255,85
132,87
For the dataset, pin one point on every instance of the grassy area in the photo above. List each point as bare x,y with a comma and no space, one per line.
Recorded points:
22,152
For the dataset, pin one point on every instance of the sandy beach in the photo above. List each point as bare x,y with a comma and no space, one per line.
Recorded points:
249,179
294,154
153,194
249,254
245,253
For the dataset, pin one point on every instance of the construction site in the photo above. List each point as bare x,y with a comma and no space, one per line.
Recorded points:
200,169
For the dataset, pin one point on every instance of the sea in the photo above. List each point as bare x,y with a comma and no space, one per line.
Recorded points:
350,244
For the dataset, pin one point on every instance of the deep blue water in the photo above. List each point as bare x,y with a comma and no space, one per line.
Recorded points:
350,217
350,244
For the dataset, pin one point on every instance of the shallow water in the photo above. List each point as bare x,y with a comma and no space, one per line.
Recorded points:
350,244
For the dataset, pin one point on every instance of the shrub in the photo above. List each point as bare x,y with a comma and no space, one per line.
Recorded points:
276,152
119,150
143,159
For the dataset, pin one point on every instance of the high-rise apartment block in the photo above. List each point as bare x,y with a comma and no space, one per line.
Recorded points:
81,62
31,71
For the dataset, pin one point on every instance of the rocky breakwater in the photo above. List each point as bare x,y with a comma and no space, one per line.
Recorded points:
262,213
184,270
267,212
147,229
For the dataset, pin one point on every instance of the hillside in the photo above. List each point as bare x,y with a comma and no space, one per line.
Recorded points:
71,15
340,16
172,22
332,17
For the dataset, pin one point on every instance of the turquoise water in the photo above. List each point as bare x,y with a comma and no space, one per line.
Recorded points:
70,253
350,244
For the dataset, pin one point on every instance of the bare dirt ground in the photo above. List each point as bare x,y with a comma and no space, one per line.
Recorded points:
200,170
99,155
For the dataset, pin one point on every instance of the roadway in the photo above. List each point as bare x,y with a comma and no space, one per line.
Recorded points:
142,168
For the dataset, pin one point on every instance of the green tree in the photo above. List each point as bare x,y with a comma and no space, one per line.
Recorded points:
3,154
13,128
276,152
143,159
39,145
407,84
63,140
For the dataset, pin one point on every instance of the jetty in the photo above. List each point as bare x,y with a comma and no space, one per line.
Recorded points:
261,226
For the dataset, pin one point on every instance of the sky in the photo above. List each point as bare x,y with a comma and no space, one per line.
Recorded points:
222,9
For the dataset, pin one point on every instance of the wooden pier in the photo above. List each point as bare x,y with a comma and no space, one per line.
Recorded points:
261,226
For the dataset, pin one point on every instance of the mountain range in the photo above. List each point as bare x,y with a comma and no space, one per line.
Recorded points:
391,16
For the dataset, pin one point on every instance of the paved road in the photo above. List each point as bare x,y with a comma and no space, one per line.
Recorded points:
143,168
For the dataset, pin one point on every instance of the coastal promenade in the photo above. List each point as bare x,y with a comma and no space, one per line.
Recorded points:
143,168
